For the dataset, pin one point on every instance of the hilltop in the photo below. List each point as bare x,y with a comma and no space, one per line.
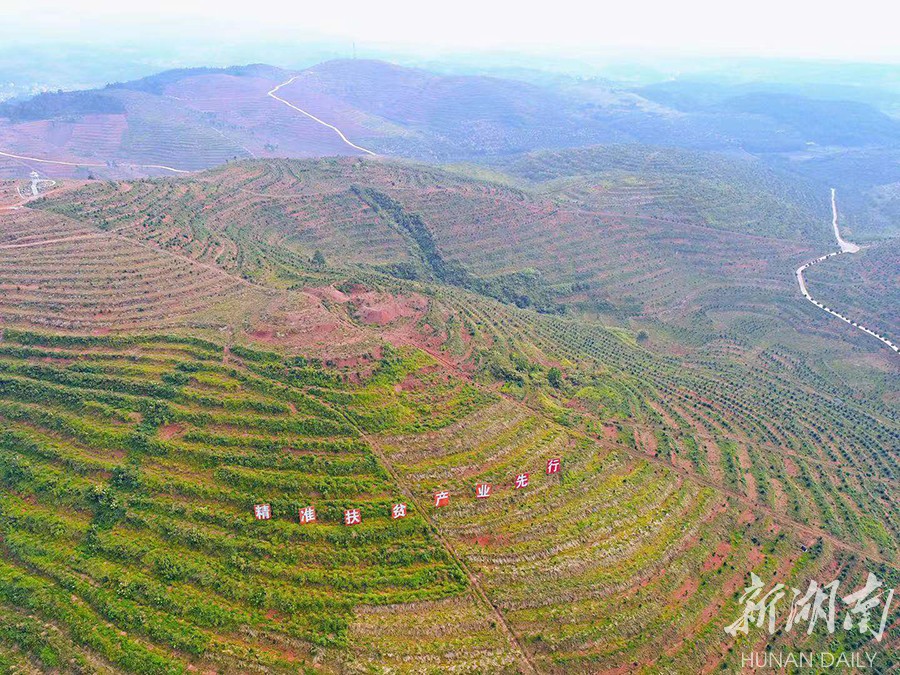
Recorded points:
354,333
727,191
192,119
196,118
424,223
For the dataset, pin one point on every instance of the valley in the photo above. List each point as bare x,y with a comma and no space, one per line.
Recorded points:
193,119
368,286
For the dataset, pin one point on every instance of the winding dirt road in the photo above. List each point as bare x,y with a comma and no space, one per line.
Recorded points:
313,117
273,94
61,163
845,247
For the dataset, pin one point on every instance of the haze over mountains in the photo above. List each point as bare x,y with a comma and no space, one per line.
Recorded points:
196,118
232,298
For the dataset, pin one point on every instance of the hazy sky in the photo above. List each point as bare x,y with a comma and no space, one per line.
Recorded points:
857,30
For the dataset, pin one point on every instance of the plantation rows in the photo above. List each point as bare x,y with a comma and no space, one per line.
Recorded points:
863,287
28,227
728,403
758,428
130,468
57,272
249,235
95,138
609,562
720,191
611,262
159,447
712,291
81,279
241,215
162,135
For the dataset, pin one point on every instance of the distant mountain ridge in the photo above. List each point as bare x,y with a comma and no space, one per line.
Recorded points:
196,118
157,83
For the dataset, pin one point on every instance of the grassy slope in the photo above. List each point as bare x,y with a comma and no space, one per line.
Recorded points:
130,469
737,193
865,286
737,416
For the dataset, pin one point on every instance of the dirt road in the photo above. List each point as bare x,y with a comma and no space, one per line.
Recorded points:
845,247
313,117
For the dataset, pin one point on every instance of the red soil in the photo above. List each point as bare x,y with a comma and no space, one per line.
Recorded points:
168,431
717,557
381,309
687,589
491,540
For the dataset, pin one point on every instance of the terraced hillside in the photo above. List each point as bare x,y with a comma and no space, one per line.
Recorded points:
159,447
8,195
276,215
739,322
69,274
725,428
734,192
130,470
612,565
410,112
814,439
364,212
196,118
865,286
60,272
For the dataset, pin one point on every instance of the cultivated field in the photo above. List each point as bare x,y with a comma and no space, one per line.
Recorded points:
462,334
338,206
58,272
613,565
724,191
159,447
130,471
865,286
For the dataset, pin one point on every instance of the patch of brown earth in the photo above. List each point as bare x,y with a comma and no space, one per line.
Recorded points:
491,540
300,322
382,309
168,431
686,590
717,558
329,293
